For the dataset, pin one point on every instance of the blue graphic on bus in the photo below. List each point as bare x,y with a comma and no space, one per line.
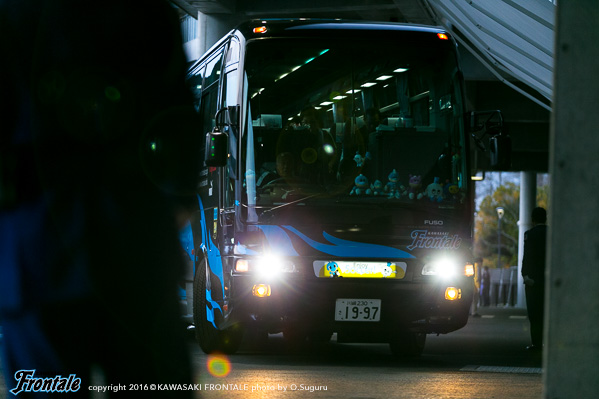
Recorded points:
340,247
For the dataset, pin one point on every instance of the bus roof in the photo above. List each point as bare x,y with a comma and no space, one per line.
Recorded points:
331,28
312,27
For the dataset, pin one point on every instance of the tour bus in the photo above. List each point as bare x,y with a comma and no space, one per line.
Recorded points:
336,194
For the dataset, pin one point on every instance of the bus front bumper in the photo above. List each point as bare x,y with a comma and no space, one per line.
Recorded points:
359,310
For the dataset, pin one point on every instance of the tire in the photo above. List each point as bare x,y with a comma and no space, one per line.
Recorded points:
209,338
408,344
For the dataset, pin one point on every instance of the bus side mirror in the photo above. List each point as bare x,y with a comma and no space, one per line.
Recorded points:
490,123
216,148
500,151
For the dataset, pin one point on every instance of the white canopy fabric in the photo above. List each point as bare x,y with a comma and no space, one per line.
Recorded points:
513,36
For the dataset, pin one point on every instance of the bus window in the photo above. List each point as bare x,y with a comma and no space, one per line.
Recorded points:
208,108
195,82
213,69
233,52
230,89
408,93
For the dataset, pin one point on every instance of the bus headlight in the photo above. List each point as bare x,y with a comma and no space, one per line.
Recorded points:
265,266
444,267
447,268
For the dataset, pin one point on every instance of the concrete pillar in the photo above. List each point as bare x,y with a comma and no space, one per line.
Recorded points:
528,200
212,27
571,357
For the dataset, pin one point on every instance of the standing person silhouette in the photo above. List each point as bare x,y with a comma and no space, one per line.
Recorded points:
533,273
485,287
97,158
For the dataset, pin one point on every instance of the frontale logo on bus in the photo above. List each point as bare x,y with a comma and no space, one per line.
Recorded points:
425,239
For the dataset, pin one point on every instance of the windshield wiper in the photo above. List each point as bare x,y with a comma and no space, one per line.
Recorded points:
378,202
291,203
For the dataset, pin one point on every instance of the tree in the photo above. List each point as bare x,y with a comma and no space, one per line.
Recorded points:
543,197
486,240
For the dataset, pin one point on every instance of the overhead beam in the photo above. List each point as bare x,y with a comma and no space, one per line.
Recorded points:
255,11
413,11
416,11
213,6
186,7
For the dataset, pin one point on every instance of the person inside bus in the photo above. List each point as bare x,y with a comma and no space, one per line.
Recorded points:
284,169
313,147
372,119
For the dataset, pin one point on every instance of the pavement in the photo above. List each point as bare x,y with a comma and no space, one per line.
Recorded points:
500,311
506,358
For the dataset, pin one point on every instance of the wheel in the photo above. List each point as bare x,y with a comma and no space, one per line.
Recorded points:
408,344
209,337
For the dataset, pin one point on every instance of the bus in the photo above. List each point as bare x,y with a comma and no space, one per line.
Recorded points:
336,195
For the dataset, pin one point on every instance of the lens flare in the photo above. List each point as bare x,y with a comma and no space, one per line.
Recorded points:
218,365
112,93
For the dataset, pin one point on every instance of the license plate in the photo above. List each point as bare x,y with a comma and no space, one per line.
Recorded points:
360,269
357,309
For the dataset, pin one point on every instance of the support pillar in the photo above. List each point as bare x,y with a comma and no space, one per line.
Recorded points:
571,353
528,200
212,27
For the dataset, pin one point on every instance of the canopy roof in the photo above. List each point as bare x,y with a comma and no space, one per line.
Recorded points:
513,37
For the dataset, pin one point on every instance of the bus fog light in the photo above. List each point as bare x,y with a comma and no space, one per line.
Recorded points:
453,293
261,290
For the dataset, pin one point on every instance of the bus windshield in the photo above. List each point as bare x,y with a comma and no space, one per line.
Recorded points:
332,121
